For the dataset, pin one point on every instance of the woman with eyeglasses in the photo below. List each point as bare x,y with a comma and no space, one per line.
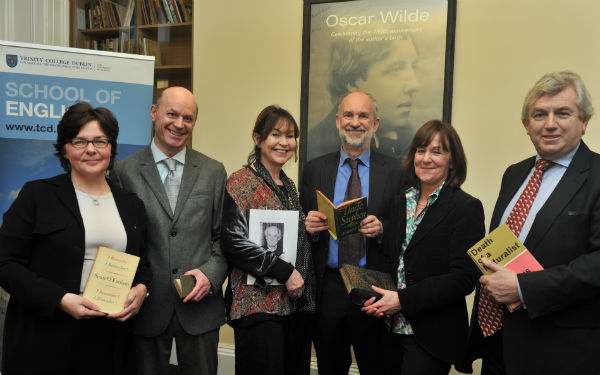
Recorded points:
48,241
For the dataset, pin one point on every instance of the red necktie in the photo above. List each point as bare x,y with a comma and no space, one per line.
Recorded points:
490,312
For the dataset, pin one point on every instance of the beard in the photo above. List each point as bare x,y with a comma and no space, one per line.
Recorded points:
356,143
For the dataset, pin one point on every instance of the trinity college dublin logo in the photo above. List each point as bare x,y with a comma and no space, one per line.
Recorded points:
12,60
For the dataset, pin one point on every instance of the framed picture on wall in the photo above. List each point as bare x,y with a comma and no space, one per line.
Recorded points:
399,51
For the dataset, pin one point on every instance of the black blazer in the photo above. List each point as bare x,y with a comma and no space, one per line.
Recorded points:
41,258
559,331
438,271
385,181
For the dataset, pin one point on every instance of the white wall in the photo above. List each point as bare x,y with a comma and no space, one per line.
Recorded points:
35,21
247,55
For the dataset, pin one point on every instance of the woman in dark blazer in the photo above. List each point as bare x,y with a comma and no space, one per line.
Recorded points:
48,241
436,224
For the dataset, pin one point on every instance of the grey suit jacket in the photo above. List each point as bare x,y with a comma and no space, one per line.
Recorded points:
180,241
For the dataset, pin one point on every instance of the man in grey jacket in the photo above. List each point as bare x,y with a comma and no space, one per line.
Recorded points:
182,190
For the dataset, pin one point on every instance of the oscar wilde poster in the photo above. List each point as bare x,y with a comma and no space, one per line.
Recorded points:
396,50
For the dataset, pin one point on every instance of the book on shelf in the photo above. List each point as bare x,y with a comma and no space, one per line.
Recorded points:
106,13
184,285
129,13
169,11
110,279
175,11
187,6
160,12
166,11
502,247
152,48
125,41
344,219
358,282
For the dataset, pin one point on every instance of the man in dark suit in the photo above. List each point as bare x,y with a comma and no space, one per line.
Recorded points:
558,330
338,322
182,190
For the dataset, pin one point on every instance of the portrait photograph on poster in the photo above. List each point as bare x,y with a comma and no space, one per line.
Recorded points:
399,51
276,231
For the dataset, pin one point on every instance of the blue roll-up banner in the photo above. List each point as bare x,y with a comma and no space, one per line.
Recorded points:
37,85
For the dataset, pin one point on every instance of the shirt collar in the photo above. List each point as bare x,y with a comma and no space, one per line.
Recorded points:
564,160
365,157
159,156
413,193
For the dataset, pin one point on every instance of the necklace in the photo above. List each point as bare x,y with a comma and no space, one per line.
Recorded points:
96,199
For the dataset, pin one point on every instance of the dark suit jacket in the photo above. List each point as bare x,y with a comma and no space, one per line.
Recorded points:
187,239
385,181
42,245
438,271
559,331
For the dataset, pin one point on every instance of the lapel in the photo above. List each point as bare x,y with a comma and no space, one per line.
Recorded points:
191,171
513,182
123,207
66,194
328,178
574,177
150,174
434,215
377,177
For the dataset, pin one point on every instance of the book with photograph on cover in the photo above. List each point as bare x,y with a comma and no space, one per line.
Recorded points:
276,231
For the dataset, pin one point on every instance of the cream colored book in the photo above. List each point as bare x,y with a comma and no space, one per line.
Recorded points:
502,247
110,279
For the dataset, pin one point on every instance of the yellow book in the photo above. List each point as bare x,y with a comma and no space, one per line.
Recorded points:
344,219
110,279
502,247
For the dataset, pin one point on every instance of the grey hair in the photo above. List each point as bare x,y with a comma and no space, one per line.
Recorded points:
552,84
375,106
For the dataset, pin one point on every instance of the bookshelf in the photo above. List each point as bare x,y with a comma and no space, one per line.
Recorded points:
163,28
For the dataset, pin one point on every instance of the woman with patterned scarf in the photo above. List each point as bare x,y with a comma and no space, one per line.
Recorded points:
272,323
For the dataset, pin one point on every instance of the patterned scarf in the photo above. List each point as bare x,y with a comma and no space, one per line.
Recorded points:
288,196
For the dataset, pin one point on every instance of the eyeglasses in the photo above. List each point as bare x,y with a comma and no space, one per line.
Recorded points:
82,143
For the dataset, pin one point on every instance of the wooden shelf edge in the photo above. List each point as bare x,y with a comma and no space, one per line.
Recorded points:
167,67
161,25
105,29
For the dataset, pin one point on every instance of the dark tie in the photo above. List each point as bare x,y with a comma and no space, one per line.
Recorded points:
172,182
351,248
490,312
